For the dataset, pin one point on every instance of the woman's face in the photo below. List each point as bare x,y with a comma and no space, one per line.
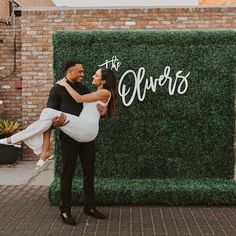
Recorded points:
97,78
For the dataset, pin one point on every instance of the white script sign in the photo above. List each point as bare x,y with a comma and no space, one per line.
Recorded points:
149,83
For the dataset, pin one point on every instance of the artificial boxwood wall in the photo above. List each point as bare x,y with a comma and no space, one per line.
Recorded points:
169,148
189,135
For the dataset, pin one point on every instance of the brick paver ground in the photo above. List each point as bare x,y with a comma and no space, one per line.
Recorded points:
25,210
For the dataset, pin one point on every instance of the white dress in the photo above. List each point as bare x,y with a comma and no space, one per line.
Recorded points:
82,128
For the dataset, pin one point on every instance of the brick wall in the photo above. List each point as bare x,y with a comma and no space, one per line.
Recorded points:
4,9
8,93
36,41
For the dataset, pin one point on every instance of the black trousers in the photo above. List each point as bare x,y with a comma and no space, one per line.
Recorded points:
70,151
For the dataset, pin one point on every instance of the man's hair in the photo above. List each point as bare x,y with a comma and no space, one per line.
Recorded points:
70,64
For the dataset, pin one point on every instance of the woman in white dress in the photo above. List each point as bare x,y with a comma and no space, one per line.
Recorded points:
82,128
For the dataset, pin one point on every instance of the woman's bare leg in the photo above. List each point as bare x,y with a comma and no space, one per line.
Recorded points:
46,149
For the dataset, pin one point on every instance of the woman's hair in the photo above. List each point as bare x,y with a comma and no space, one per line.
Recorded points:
110,84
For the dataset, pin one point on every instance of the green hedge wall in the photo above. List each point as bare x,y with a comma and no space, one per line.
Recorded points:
172,149
165,136
152,191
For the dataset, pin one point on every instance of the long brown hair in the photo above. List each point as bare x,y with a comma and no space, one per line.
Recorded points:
110,84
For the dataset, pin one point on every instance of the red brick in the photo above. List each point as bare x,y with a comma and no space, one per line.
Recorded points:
34,45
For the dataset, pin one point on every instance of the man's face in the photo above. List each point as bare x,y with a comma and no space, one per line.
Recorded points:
77,73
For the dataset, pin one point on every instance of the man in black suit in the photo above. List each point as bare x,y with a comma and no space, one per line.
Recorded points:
60,99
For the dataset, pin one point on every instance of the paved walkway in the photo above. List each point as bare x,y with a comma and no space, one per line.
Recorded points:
22,172
25,210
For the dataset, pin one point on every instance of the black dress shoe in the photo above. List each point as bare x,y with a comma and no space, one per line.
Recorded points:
94,212
67,218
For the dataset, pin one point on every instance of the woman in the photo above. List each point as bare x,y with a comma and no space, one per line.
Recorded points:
83,128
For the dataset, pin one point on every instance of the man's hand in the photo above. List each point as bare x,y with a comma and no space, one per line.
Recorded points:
102,110
58,121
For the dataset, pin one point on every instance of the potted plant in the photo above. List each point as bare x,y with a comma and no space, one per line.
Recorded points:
8,153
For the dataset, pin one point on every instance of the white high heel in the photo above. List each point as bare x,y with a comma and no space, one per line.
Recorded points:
5,142
51,157
40,163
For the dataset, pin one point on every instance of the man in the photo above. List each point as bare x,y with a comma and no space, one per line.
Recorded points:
60,99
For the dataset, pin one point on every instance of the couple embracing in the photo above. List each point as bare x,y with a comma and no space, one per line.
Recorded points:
76,112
